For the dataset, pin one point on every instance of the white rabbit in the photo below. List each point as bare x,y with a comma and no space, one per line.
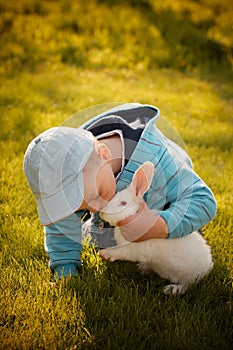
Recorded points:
183,261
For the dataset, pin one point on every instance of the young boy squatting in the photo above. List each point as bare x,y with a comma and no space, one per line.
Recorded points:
74,170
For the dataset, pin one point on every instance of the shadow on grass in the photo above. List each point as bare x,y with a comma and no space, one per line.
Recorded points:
124,310
188,43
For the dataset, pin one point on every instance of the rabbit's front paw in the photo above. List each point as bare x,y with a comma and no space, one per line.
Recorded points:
174,289
107,255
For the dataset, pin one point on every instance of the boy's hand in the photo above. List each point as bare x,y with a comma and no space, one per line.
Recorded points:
143,225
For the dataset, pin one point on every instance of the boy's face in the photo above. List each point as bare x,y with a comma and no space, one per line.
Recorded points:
99,186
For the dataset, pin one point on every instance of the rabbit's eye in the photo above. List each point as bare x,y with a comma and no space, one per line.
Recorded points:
123,203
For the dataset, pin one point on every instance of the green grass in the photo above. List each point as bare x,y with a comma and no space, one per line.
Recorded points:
59,57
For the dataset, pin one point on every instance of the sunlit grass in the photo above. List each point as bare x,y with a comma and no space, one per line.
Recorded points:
126,34
59,57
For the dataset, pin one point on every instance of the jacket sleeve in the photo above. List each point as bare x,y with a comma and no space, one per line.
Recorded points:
63,243
191,210
191,203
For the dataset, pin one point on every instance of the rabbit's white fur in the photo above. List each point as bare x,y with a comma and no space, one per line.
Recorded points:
183,261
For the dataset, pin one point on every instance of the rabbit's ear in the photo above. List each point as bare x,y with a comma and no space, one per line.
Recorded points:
142,179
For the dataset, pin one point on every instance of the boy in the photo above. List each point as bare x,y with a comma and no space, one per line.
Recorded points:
74,170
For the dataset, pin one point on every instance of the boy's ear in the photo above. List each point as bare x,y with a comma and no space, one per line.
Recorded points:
104,152
142,179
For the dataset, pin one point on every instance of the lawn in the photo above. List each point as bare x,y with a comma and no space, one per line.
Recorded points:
61,57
